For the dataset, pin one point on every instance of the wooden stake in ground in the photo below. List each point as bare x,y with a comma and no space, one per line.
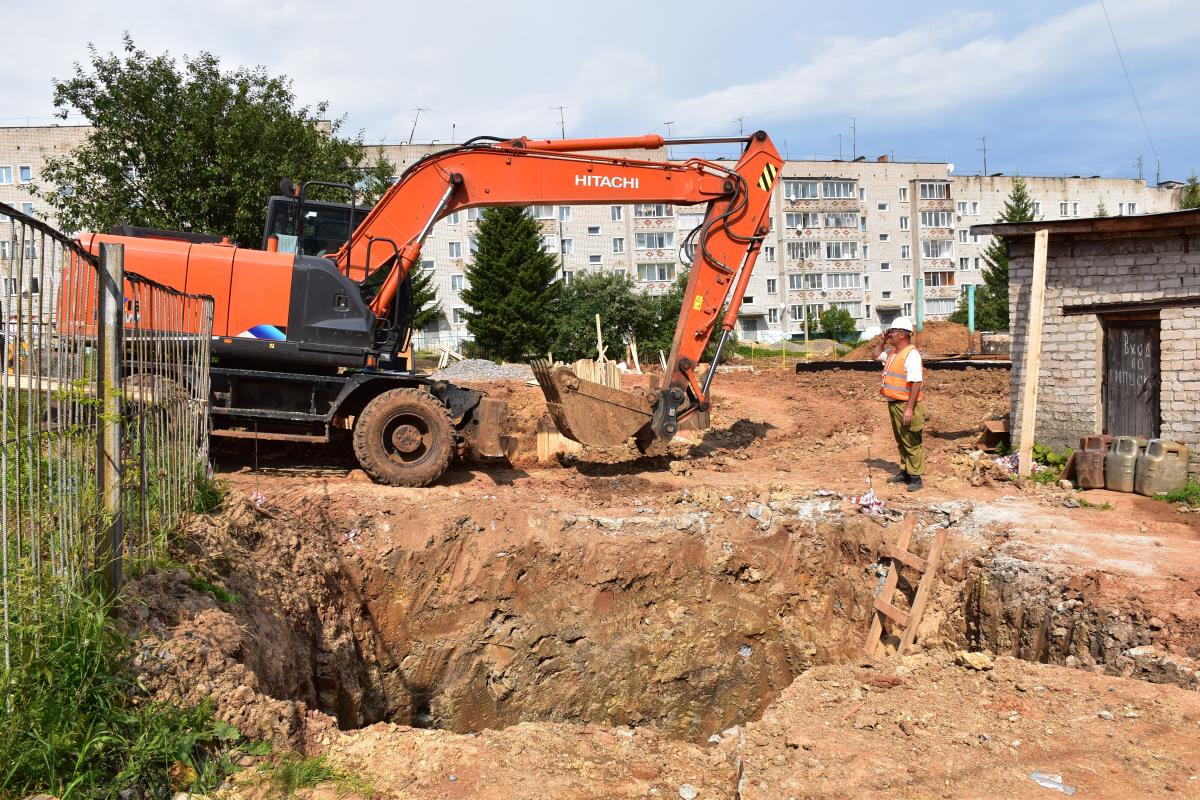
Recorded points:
637,365
599,343
1033,352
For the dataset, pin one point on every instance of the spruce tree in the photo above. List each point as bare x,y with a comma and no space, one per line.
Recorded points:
991,298
1190,196
1101,209
514,287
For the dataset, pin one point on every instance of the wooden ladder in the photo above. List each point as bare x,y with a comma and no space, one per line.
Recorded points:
925,567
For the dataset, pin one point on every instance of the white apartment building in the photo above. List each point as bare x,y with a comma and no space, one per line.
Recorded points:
860,235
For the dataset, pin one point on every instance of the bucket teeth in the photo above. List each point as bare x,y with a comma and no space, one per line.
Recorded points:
587,412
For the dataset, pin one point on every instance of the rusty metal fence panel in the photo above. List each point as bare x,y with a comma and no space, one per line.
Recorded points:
58,404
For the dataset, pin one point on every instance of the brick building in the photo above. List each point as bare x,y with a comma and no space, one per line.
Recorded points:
1121,325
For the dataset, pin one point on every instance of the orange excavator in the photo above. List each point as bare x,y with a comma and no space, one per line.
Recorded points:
304,345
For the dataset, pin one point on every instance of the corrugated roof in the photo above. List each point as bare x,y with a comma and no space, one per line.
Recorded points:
1140,223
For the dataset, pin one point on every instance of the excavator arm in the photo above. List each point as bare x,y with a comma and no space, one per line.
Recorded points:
522,172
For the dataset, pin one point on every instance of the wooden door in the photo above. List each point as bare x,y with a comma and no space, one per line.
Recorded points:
1131,378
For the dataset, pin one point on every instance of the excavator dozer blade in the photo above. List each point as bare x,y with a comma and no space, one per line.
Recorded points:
590,413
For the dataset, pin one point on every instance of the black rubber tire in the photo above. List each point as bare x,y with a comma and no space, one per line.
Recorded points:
378,456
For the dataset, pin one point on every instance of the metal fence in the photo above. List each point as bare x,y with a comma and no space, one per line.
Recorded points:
103,393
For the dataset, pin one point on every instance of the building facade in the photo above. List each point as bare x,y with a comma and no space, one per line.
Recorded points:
859,235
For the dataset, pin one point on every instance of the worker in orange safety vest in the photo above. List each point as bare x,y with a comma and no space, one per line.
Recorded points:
903,376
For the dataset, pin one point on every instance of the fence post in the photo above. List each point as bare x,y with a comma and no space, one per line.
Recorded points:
109,303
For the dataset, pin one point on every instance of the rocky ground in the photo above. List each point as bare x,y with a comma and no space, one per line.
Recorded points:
691,625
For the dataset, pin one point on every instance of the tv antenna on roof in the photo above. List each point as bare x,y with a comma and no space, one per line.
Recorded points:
418,109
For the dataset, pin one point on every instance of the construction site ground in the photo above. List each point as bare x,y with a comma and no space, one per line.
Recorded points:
691,624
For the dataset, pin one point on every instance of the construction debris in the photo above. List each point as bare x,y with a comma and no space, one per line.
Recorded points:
480,369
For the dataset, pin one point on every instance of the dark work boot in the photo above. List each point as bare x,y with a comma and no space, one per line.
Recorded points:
900,477
915,484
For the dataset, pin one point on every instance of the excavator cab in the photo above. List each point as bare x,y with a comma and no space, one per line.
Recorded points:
316,228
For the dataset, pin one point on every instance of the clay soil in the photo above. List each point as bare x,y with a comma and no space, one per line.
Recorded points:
690,624
936,339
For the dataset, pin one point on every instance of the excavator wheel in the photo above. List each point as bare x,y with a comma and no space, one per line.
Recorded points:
404,438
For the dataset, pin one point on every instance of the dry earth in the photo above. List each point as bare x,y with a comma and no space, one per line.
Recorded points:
690,625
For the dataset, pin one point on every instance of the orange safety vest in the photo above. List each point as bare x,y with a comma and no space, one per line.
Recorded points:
895,379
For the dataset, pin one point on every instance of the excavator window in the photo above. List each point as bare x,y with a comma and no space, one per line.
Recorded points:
326,225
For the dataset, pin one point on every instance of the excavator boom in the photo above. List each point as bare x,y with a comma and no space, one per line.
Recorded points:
522,172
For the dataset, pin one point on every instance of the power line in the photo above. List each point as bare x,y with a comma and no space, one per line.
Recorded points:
1128,80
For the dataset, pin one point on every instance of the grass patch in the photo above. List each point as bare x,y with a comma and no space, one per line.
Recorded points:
210,493
293,772
1085,503
1189,493
223,595
72,722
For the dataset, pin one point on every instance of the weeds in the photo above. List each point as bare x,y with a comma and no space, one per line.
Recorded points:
71,723
210,493
1189,493
223,595
1085,503
293,772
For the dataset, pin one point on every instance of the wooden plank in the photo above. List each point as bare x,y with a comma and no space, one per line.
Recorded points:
889,610
924,588
889,586
1033,352
1068,469
906,558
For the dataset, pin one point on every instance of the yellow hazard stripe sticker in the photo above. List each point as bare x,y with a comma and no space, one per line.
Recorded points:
767,179
698,303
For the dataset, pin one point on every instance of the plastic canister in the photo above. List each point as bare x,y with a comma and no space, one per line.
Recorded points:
1089,461
1120,464
1161,468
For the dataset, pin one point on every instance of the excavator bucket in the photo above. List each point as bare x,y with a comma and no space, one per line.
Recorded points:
590,413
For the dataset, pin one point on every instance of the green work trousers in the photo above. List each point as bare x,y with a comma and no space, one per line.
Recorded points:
912,451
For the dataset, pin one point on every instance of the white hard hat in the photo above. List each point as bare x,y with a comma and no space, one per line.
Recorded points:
902,324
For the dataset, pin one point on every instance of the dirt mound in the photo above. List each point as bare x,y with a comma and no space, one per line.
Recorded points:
938,338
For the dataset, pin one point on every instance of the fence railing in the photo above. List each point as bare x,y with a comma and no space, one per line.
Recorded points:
103,393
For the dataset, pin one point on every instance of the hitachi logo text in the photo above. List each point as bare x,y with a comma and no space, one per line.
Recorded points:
605,182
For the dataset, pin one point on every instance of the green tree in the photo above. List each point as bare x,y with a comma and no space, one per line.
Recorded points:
377,177
1101,209
664,315
624,312
837,324
425,304
991,299
514,286
192,148
1190,196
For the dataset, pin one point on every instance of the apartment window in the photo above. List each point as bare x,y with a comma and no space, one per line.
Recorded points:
27,208
908,309
10,286
615,213
618,244
685,222
656,273
906,281
427,263
455,249
457,283
799,190
1132,208
653,241
748,300
549,241
768,252
881,206
1063,208
935,191
904,223
937,219
962,236
936,248
886,294
5,175
795,219
567,276
472,245
868,314
475,214
772,286
26,176
595,260
962,207
1037,208
839,190
939,305
567,247
619,271
841,250
1120,209
593,230
853,309
885,237
885,266
541,212
843,280
964,264
564,213
807,281
803,250
1074,209
862,223
653,210
460,316
975,208
906,251
5,250
842,220
773,316
939,278
903,194
452,218
862,194
866,251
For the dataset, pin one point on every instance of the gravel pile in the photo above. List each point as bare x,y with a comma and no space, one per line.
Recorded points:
479,369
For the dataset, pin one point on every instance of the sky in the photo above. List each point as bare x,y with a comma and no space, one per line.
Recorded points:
921,81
